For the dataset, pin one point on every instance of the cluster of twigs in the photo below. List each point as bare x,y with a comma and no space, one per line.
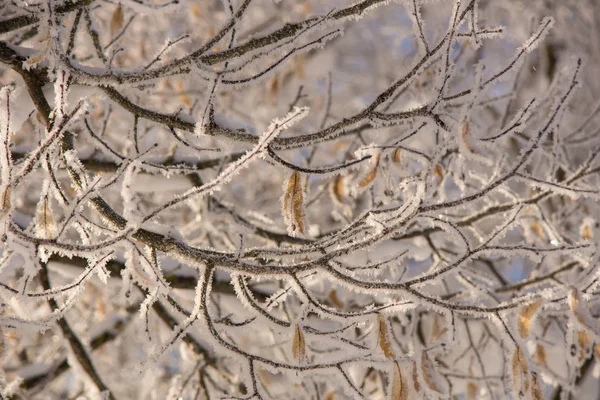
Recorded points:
436,241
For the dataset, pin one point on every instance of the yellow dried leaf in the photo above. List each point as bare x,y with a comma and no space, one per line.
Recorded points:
427,370
337,189
293,205
45,222
298,345
597,350
538,230
397,157
399,384
439,172
100,307
116,21
370,177
519,370
536,390
586,232
196,11
585,341
472,390
526,316
573,300
334,299
540,355
185,99
329,396
5,199
466,131
265,376
383,339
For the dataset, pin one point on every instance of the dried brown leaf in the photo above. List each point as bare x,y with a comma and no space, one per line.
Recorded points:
265,376
5,199
293,204
586,232
334,299
520,371
399,384
536,390
383,339
370,177
337,189
397,156
466,131
116,21
585,342
438,171
526,315
329,396
472,390
298,345
540,355
45,222
538,230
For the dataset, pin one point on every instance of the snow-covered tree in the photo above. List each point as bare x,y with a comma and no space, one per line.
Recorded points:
299,199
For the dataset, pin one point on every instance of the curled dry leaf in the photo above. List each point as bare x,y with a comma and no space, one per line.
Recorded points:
526,315
298,345
383,339
370,177
337,189
397,157
293,205
399,384
520,371
116,21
